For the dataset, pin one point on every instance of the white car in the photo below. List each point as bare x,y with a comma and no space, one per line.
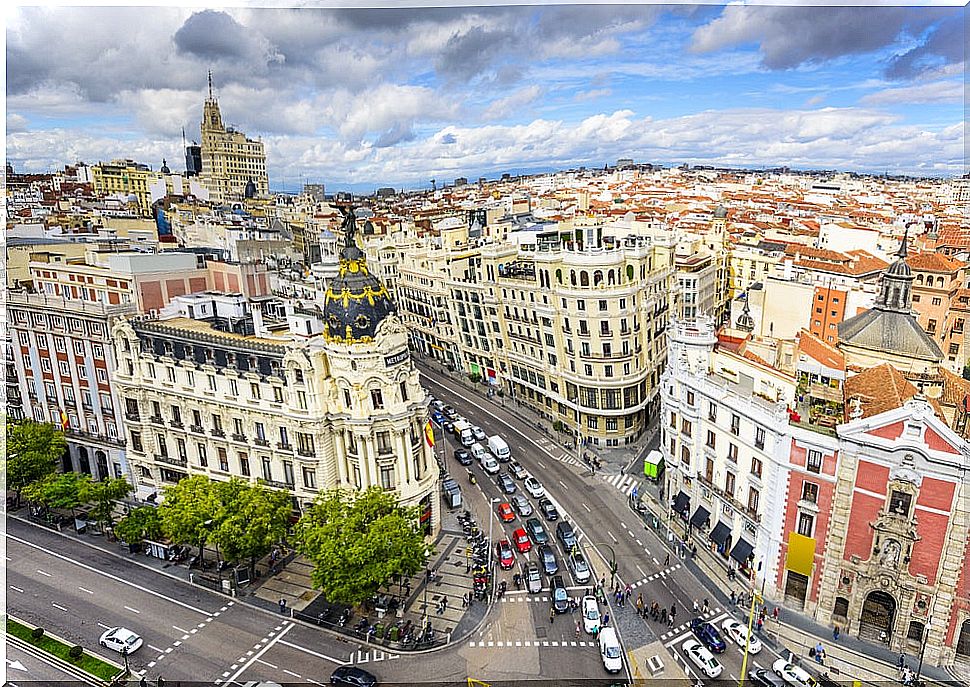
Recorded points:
479,433
490,465
120,639
702,658
792,674
739,633
535,489
591,614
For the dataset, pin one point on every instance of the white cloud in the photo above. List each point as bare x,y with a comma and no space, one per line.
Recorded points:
933,92
512,103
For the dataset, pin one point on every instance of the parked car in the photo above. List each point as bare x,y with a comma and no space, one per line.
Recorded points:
463,456
517,471
792,674
490,465
532,577
739,635
580,568
534,488
702,658
505,513
536,531
521,505
566,535
120,639
548,557
479,433
591,614
560,597
610,650
765,678
503,551
548,510
708,635
352,676
506,483
522,541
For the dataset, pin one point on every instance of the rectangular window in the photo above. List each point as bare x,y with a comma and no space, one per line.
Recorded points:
301,399
690,397
810,492
217,425
711,439
384,443
759,437
244,465
260,432
278,394
136,441
254,390
180,447
806,523
212,382
404,391
101,374
237,427
735,425
608,371
177,416
59,344
387,477
900,503
170,371
685,457
756,467
223,459
377,399
98,351
611,424
603,306
732,454
162,445
814,463
284,438
754,497
673,421
729,483
267,469
233,387
309,478
686,426
203,456
288,473
196,419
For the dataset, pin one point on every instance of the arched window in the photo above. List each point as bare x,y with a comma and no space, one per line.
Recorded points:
559,276
629,272
919,278
572,277
611,278
584,278
597,277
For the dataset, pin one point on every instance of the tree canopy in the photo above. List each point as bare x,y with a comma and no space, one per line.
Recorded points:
191,510
254,518
103,494
33,449
140,524
357,542
66,490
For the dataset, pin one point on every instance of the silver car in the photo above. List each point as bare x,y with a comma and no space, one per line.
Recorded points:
521,505
580,568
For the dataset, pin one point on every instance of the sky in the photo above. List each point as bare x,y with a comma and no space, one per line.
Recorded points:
398,96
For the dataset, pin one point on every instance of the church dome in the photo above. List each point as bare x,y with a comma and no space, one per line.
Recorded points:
356,301
250,191
720,212
165,169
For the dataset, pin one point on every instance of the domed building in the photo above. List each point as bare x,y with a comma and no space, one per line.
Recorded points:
303,399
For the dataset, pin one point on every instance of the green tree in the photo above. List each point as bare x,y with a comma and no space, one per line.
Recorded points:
140,524
191,511
103,495
66,490
33,449
357,542
254,519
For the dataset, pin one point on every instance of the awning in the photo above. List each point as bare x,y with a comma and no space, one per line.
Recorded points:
143,492
682,503
720,534
742,551
700,517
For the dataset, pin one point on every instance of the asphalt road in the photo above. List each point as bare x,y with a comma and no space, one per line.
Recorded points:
23,669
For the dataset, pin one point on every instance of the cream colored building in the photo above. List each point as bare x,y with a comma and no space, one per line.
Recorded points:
126,179
216,386
230,160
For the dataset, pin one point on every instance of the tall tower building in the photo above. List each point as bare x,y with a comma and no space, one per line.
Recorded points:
230,160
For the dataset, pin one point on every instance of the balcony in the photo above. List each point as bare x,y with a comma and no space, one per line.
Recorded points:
260,442
218,433
279,485
284,446
176,424
241,438
306,452
170,460
156,420
196,429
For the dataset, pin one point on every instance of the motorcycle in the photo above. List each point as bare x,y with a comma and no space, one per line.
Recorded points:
360,629
501,589
344,617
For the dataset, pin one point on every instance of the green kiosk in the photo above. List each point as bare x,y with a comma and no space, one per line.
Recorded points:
653,466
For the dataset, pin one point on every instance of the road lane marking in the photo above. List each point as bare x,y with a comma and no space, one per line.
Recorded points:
587,508
89,568
45,574
612,537
266,648
59,607
539,463
290,672
133,610
86,591
176,627
313,653
641,571
108,628
155,648
267,663
563,485
17,589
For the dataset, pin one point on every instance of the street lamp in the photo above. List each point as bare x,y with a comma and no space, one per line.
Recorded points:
491,519
124,655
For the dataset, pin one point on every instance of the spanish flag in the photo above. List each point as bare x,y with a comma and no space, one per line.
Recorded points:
429,434
64,422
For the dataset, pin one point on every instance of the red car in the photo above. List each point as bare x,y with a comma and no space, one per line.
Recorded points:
522,542
506,558
505,512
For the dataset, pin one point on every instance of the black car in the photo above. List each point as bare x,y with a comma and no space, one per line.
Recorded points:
548,510
448,426
548,558
566,535
536,531
708,635
463,456
765,678
450,412
353,676
560,597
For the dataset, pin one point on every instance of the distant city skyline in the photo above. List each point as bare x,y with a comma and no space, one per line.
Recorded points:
365,98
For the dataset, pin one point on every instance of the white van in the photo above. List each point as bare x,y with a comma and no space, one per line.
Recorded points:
610,650
478,452
499,448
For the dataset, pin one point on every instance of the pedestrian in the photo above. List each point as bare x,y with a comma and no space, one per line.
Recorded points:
602,582
577,629
444,604
282,605
143,681
640,604
696,606
663,615
707,606
673,611
670,621
628,591
836,632
667,559
734,598
606,619
901,662
464,601
552,615
760,625
774,614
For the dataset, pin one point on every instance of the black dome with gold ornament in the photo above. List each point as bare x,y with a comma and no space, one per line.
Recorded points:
356,301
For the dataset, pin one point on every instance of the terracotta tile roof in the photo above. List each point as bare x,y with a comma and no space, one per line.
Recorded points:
934,262
881,388
816,349
815,253
955,388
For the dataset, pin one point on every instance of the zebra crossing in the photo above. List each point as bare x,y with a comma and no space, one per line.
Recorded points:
678,634
524,643
662,574
624,483
372,656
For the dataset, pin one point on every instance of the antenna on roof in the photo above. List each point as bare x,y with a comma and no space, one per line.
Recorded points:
210,84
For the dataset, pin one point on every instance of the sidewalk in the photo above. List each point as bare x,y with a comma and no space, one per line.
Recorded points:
847,658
